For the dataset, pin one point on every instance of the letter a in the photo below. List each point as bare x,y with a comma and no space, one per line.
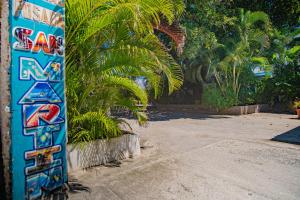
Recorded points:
40,92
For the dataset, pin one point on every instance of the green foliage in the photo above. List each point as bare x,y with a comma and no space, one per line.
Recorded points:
297,104
216,99
224,45
227,40
109,43
205,22
284,86
233,72
283,13
94,125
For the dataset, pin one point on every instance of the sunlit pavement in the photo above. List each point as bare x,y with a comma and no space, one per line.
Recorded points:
189,157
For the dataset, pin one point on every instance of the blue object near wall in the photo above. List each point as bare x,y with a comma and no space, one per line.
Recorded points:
38,124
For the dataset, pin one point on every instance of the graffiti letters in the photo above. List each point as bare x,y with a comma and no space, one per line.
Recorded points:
50,180
43,135
40,92
43,159
49,45
29,67
37,13
39,115
56,2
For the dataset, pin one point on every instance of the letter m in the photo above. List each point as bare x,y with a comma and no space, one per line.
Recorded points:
30,68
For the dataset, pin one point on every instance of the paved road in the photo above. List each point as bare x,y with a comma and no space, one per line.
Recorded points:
203,157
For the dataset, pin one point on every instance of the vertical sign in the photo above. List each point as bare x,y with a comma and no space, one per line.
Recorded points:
38,124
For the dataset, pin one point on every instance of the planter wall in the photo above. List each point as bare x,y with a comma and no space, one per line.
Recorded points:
188,108
235,110
100,152
244,110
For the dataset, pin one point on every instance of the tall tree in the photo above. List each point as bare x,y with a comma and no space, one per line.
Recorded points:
207,23
282,12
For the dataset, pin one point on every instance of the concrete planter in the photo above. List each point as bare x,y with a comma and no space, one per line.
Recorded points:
235,110
245,110
100,152
298,113
186,108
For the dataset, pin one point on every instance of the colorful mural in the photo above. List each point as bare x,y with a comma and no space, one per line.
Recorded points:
38,123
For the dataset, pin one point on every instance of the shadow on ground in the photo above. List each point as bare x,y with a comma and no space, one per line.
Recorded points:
291,137
166,116
76,187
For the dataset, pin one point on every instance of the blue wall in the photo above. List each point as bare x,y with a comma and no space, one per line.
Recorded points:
38,123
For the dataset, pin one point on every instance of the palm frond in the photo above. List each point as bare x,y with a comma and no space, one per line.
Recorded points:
94,125
109,43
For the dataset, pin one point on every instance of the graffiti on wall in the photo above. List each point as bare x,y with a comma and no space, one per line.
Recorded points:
38,123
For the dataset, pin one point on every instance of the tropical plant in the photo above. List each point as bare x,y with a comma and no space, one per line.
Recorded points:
284,86
216,100
206,23
282,13
297,104
233,74
109,44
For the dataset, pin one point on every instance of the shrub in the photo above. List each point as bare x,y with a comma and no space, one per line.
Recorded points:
217,99
297,104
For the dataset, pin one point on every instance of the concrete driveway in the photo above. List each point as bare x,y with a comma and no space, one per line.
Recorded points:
204,157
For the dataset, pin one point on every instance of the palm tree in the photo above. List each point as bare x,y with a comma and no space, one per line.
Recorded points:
246,50
108,44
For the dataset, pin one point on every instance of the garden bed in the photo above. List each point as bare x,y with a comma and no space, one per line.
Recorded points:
101,152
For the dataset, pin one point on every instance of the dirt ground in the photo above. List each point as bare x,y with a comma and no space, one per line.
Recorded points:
203,157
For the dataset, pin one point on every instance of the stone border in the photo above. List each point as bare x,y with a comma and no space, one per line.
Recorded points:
189,108
245,110
235,110
101,152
